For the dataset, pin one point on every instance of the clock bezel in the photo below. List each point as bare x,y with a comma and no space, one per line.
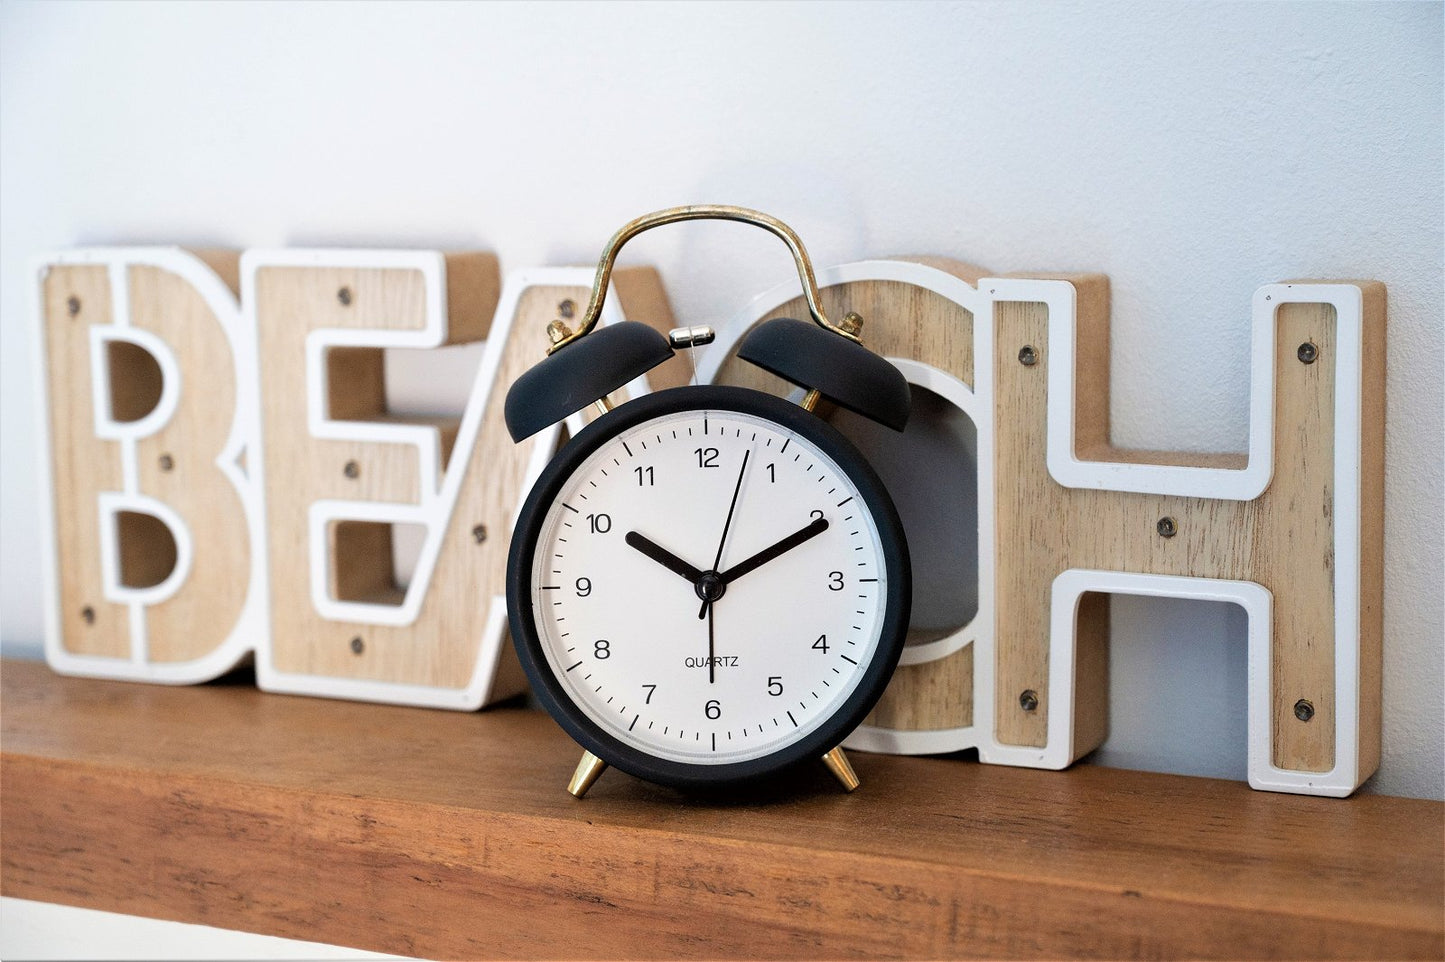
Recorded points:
550,690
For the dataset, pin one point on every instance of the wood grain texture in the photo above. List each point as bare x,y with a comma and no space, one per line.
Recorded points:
1283,540
901,320
929,696
224,262
446,835
440,648
82,465
1372,523
175,465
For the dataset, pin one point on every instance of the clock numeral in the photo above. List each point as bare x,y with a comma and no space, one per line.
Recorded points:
645,473
821,644
775,685
706,457
602,649
651,690
599,523
713,710
772,473
584,587
835,581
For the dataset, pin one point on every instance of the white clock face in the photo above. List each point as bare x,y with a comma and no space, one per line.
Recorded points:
709,587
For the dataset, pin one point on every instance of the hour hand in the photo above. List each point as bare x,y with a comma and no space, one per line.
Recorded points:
817,527
663,557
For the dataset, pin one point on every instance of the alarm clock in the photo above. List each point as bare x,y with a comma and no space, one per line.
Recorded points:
708,585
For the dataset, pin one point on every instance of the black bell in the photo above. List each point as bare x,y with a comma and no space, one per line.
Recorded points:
842,370
585,370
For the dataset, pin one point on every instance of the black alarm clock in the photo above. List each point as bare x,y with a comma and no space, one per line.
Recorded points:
708,585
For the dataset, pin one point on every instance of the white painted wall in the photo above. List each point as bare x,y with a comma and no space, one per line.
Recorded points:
1192,152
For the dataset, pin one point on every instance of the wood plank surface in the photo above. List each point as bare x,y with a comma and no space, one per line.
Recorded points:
449,835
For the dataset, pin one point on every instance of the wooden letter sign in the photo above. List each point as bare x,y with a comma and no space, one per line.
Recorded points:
1291,531
153,541
226,477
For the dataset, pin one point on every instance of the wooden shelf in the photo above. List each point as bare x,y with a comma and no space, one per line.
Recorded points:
449,835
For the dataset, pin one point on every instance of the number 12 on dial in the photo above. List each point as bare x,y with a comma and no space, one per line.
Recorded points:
708,585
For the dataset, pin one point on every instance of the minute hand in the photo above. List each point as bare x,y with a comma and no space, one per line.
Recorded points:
814,529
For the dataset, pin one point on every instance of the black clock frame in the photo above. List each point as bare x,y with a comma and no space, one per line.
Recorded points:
550,690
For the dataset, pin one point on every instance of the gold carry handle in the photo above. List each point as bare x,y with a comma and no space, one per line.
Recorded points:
561,336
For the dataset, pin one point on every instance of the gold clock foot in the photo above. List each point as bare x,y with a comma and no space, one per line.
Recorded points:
588,769
837,763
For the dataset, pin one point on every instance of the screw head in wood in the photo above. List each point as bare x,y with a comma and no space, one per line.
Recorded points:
352,470
1166,527
167,462
357,645
1028,357
87,614
1029,699
567,308
1304,710
344,296
479,533
72,305
1307,352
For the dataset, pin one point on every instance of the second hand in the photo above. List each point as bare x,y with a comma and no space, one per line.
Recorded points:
707,602
722,542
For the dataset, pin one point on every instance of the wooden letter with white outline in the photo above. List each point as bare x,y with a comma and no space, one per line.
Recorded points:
1291,530
340,470
151,528
178,537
